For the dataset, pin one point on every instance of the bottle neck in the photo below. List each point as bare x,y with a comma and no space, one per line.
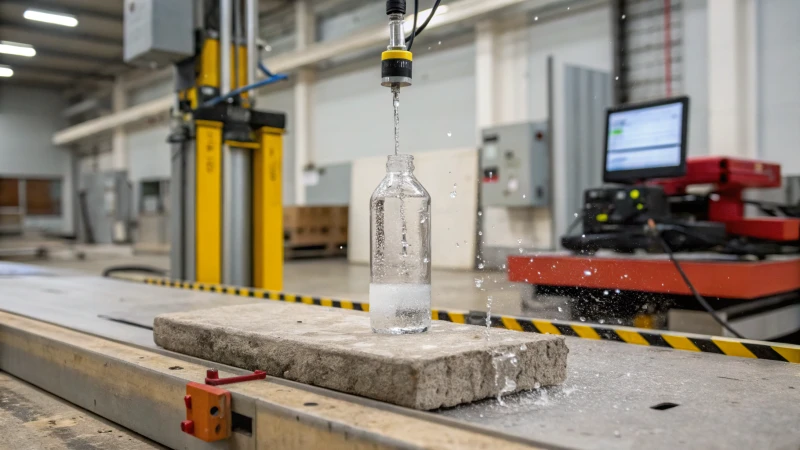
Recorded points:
403,164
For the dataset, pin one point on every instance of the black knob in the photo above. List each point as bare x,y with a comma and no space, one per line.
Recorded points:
395,7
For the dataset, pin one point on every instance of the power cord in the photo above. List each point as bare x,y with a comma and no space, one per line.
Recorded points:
416,31
410,39
651,224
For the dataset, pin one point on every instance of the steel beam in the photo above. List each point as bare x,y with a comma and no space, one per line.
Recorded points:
56,6
59,33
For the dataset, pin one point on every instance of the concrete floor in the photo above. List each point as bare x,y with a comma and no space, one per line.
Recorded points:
336,278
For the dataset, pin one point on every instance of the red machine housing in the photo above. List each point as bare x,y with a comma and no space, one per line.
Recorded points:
730,177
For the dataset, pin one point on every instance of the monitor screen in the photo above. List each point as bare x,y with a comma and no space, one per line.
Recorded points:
646,141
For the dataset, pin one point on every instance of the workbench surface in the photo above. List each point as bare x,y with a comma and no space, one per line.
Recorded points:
607,401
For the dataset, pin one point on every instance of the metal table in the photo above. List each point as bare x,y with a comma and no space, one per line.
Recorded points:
617,395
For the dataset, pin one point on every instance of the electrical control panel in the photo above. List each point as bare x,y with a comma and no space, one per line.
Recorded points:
515,165
158,33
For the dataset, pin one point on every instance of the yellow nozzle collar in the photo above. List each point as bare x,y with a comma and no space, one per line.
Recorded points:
396,54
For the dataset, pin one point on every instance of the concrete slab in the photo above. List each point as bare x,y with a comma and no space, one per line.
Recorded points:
450,365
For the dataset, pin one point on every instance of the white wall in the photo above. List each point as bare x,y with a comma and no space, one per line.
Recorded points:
778,49
28,119
583,39
352,113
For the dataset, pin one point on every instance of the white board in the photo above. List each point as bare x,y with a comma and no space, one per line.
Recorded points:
453,218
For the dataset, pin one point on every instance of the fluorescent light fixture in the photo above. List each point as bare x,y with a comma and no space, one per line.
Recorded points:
423,16
6,71
38,15
15,48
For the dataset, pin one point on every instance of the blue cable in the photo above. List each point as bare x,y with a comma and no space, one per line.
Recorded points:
264,69
257,84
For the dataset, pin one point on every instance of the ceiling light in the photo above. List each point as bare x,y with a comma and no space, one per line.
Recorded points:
15,48
6,71
38,15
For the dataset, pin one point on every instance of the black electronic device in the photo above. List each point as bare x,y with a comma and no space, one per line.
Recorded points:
643,141
646,141
607,209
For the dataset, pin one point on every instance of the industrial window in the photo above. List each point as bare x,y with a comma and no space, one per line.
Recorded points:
43,197
9,193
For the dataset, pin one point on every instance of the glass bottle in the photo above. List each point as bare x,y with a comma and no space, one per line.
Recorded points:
400,251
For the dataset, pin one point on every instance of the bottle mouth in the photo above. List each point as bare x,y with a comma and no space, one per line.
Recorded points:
400,163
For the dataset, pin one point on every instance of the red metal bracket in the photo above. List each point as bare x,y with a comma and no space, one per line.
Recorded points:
213,379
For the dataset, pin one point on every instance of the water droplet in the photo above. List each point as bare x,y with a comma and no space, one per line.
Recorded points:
583,235
341,247
449,134
422,219
480,213
576,214
605,292
523,347
583,319
503,266
526,280
537,385
539,273
429,47
617,433
617,291
560,309
453,194
602,320
587,273
554,266
480,233
478,282
440,42
458,245
520,250
480,266
523,195
426,260
536,18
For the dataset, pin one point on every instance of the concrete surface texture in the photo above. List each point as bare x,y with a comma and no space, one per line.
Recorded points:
450,365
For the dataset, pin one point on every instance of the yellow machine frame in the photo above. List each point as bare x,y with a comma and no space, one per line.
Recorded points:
266,144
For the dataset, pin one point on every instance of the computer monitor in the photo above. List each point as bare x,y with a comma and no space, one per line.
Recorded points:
645,141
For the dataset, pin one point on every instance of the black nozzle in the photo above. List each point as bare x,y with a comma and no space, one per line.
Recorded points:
395,7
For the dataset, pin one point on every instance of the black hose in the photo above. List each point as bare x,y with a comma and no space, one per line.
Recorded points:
414,32
134,268
696,294
428,20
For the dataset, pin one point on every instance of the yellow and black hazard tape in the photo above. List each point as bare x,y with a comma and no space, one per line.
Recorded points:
657,338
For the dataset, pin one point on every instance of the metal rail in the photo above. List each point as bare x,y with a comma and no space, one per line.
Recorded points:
143,390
